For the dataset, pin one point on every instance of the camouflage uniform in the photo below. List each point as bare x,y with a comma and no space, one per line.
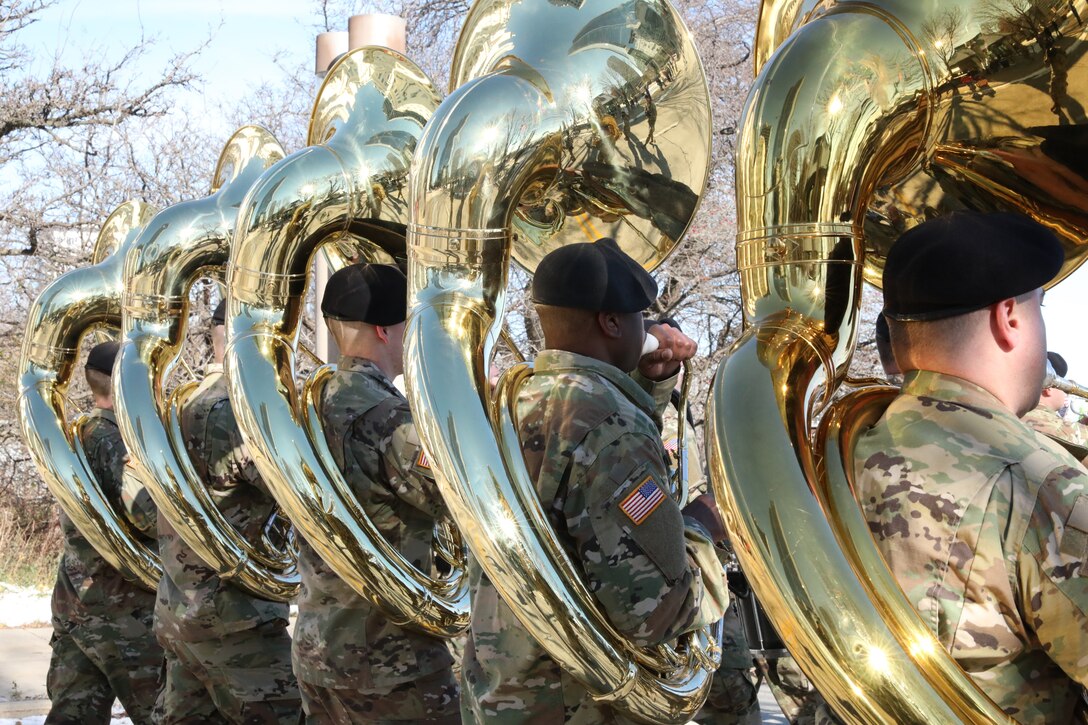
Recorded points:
102,641
734,695
795,694
228,654
1046,421
985,524
353,664
591,441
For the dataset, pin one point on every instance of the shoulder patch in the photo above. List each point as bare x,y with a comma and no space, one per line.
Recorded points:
422,461
643,501
672,445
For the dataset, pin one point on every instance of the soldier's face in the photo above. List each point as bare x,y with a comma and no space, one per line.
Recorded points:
396,346
1033,348
633,336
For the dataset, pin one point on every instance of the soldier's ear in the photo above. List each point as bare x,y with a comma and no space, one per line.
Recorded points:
382,332
1006,323
610,324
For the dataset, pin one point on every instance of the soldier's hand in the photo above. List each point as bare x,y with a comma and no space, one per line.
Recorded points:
673,348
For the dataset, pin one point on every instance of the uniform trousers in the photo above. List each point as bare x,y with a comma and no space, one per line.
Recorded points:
432,699
100,659
241,677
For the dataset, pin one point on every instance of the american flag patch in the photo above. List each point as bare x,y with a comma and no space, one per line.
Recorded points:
672,444
641,502
423,461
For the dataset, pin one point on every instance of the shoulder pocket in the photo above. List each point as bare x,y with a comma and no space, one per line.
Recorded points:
652,521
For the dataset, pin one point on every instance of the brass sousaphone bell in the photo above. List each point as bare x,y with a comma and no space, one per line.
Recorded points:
343,191
73,305
571,121
181,244
867,119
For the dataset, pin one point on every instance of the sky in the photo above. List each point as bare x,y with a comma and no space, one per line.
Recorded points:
247,34
244,35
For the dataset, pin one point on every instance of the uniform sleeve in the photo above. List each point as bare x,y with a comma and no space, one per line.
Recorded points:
661,390
630,537
107,456
405,465
1053,579
243,463
138,507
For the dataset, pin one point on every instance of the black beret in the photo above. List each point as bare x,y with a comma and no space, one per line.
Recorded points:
596,276
376,294
219,317
1058,363
102,355
964,261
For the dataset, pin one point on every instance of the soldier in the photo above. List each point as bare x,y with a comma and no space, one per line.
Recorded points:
1048,416
102,641
983,522
354,664
593,446
228,654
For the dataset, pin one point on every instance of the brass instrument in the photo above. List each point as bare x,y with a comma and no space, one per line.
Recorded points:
865,120
343,190
1067,386
73,305
571,121
181,244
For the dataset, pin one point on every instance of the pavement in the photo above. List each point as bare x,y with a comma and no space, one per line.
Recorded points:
24,661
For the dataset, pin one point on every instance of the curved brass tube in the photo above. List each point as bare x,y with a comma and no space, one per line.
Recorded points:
868,119
70,307
367,119
571,122
181,244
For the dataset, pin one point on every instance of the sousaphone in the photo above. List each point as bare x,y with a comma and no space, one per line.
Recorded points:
181,244
75,304
346,192
571,121
867,119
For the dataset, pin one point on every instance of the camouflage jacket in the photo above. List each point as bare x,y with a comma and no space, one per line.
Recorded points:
194,603
591,440
1046,421
985,525
341,640
87,586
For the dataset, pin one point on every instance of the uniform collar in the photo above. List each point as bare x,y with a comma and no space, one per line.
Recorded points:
561,361
361,365
940,386
104,414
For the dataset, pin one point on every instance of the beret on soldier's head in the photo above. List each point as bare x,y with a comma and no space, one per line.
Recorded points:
102,355
376,294
964,261
1058,363
596,276
219,316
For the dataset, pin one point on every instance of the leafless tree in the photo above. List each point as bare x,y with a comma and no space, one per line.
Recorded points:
75,141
